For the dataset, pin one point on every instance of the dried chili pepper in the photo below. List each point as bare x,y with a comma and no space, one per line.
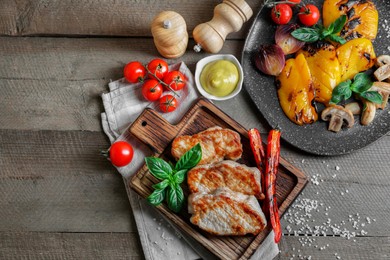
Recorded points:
259,154
271,170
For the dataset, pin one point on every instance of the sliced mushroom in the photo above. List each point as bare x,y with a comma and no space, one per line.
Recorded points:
383,88
382,72
368,112
354,107
382,60
337,117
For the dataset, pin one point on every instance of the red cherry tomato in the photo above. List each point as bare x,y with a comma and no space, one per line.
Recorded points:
134,72
158,68
168,103
281,13
175,80
121,153
309,15
152,90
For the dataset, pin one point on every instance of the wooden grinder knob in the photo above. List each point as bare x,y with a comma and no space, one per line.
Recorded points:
229,16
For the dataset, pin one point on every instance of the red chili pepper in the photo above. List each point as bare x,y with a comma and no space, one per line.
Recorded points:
271,170
259,154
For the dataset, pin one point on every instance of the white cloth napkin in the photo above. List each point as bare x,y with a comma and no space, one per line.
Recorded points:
123,104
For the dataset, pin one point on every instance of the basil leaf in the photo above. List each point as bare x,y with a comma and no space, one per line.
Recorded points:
156,197
190,159
372,96
328,31
339,24
336,99
175,197
158,167
179,176
361,83
342,88
306,34
336,38
161,185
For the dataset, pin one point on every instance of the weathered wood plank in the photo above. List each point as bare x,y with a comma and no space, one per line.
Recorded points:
102,18
325,248
37,245
57,181
43,245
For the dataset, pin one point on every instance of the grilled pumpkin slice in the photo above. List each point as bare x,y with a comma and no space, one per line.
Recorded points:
324,69
355,56
296,91
362,17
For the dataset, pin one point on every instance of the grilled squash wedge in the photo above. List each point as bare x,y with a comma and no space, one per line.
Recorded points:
355,56
362,17
296,91
324,69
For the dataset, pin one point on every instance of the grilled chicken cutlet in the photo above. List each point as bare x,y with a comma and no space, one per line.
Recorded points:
237,177
225,212
217,144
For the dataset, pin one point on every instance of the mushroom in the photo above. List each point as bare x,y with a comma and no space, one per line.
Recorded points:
337,117
354,107
383,88
368,112
383,71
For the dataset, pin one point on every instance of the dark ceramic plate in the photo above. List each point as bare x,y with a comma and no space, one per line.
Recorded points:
314,138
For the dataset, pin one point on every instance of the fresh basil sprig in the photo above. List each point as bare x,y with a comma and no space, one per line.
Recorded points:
319,32
360,86
171,177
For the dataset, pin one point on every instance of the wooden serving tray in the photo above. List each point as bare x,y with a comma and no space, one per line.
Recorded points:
158,134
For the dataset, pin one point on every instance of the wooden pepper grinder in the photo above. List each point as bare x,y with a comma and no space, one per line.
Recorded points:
170,35
229,16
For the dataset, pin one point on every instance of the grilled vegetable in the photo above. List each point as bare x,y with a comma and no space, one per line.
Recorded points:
355,56
296,91
271,170
362,17
324,69
258,153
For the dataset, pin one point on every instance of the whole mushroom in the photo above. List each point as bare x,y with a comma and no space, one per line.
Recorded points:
337,117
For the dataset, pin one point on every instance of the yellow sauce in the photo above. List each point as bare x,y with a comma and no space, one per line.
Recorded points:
219,78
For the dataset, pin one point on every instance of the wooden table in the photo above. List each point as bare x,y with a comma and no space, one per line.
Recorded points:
60,199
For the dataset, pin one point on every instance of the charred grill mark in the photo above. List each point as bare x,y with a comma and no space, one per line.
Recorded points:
352,24
367,56
353,35
290,97
350,13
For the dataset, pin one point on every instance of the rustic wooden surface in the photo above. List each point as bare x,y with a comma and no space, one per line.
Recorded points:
60,200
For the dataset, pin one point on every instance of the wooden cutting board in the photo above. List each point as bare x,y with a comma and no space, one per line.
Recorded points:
157,133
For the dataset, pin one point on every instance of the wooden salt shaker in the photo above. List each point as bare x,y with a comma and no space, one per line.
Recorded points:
170,35
229,16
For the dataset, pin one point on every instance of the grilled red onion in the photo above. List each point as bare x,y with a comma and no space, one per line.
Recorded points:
284,39
270,59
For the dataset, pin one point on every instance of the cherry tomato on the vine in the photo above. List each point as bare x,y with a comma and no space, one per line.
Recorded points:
294,2
168,103
134,72
121,153
309,15
281,13
158,68
175,80
152,90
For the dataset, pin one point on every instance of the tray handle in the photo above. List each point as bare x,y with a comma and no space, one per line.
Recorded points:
153,130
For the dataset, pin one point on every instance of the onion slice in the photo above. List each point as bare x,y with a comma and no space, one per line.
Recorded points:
285,40
270,59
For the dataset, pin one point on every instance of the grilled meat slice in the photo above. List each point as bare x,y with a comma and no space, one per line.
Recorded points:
225,212
217,143
237,177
